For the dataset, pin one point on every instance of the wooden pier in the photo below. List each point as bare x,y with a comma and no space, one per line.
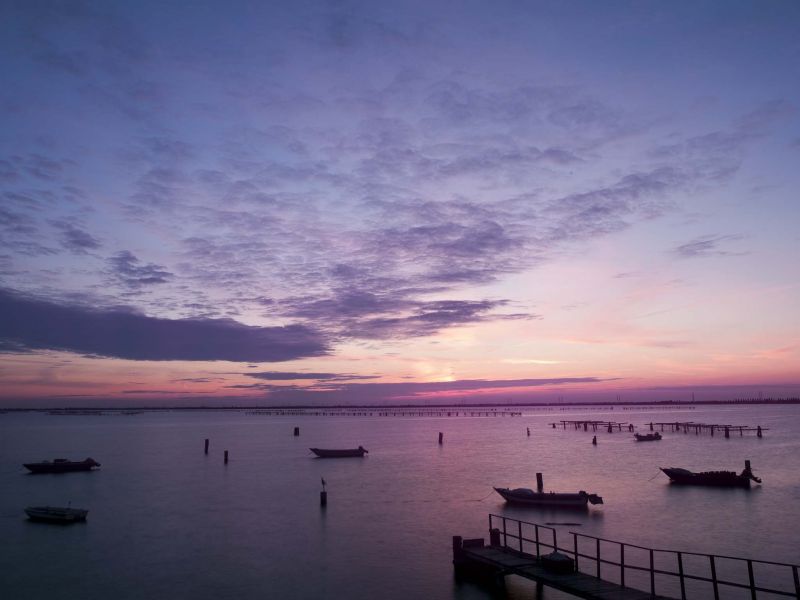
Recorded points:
597,568
594,426
389,412
697,428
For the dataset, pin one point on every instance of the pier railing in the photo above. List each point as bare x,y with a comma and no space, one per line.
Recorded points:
689,574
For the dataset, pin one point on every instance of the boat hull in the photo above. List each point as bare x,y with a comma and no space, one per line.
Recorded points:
648,437
61,466
550,499
347,453
708,478
53,514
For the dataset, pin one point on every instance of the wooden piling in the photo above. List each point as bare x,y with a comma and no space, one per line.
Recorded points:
296,432
323,498
441,438
529,431
727,432
226,457
206,448
539,482
594,441
758,432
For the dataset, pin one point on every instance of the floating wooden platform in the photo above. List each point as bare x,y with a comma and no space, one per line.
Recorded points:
578,584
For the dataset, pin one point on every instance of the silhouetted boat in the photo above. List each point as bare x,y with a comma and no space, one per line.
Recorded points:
647,437
563,500
62,465
55,514
713,478
323,453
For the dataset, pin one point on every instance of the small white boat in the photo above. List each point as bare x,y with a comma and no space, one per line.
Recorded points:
56,514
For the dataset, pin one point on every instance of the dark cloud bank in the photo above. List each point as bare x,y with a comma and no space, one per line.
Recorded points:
30,324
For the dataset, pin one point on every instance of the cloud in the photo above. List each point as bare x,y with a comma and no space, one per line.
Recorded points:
706,246
294,376
36,324
126,268
446,391
75,239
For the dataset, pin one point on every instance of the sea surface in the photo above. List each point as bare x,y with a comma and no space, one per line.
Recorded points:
167,521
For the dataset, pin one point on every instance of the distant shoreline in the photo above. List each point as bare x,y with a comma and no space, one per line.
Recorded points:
656,404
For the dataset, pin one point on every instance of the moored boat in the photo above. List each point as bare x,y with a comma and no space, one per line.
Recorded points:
554,499
647,437
62,465
348,452
712,478
56,514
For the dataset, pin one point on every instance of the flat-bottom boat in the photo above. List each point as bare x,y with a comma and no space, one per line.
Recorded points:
647,437
555,499
349,452
62,465
712,478
55,514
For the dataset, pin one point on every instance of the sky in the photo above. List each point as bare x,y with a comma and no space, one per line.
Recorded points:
253,203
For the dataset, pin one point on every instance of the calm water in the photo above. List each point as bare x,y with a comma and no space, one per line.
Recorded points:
166,521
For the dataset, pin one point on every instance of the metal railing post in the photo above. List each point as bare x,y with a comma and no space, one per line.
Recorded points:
536,529
505,541
598,556
680,575
752,579
519,523
652,575
796,582
555,542
622,565
714,577
575,545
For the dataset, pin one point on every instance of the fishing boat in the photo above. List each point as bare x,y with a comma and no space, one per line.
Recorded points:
647,437
553,499
55,514
712,478
62,465
323,453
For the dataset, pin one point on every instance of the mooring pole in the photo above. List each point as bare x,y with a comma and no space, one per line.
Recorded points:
441,438
296,431
206,449
539,482
226,457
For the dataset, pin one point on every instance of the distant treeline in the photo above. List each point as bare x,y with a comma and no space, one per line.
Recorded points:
654,404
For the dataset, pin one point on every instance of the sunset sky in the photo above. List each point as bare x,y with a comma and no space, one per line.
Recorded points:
304,202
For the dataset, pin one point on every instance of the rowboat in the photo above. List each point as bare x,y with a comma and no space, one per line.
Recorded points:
62,465
554,499
323,453
647,437
712,478
55,514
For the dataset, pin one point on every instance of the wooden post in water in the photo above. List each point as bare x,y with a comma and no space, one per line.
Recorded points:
651,426
206,449
226,457
323,498
594,440
441,438
758,432
296,431
529,431
727,433
539,482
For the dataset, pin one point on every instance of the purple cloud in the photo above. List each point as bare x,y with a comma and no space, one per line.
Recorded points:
35,324
705,246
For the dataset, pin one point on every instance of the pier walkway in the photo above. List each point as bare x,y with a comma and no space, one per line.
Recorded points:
601,569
